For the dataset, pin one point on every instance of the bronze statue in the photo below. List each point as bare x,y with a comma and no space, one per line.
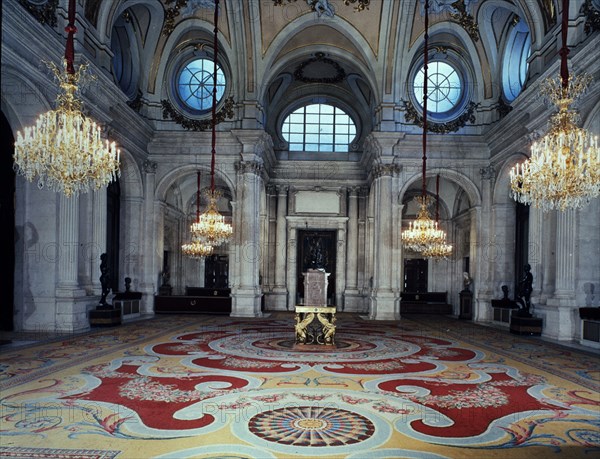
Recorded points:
318,256
524,289
104,279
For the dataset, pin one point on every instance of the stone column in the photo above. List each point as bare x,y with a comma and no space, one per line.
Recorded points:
148,244
363,276
483,251
291,248
351,295
247,295
565,255
71,314
561,308
279,297
384,303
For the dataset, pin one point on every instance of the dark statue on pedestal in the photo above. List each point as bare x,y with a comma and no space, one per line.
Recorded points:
466,298
105,313
318,257
104,280
523,295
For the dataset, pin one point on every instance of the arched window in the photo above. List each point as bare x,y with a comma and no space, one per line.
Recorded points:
319,127
195,83
514,64
125,61
444,87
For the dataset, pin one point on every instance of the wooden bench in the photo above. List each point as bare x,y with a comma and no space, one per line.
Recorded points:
425,303
198,300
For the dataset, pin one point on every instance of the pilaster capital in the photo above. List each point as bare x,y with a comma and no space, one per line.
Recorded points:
488,172
282,190
150,167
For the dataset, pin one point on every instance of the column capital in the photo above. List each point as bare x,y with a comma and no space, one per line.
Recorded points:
354,191
282,190
249,167
381,170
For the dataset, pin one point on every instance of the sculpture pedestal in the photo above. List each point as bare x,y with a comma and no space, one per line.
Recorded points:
466,305
105,316
526,325
315,307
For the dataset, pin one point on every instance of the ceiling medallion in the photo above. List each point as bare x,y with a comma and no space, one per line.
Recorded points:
318,62
468,116
324,7
184,7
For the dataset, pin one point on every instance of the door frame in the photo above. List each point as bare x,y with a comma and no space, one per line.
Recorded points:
315,223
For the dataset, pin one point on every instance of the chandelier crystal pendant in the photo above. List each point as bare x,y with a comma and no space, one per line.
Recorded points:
64,148
423,233
563,171
438,250
197,248
211,228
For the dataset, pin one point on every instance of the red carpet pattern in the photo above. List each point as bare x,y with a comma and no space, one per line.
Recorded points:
219,387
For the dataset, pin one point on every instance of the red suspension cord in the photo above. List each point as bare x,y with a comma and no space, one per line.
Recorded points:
214,99
564,51
70,29
425,76
198,199
437,198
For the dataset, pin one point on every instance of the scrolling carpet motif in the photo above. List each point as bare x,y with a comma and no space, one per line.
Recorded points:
219,387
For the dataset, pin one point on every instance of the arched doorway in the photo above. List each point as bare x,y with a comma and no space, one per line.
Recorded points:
7,216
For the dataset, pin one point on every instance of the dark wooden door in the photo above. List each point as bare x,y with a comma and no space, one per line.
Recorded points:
216,271
316,250
113,225
521,240
415,275
7,214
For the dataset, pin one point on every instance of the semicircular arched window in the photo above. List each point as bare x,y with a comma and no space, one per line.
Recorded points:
514,64
319,127
195,83
444,87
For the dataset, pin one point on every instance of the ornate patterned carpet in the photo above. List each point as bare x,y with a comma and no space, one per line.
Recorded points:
217,387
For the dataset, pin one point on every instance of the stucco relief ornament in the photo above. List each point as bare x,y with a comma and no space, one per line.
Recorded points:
193,5
459,10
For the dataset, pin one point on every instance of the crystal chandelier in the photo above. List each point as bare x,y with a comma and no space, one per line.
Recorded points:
64,148
438,250
423,233
196,248
211,227
564,168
